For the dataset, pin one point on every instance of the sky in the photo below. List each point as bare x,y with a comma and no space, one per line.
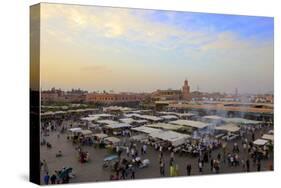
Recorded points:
136,50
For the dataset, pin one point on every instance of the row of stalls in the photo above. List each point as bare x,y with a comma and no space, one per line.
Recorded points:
60,114
155,134
84,136
266,139
220,127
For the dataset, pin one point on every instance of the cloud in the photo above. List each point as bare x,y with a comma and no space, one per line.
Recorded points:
120,38
126,24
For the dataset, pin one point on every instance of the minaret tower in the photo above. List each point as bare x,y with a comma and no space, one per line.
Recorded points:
185,90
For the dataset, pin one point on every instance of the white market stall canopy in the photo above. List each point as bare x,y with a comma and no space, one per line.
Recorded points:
140,121
127,120
139,137
148,117
171,136
185,114
169,117
100,135
49,113
268,137
107,122
260,142
165,126
112,140
117,108
101,115
86,132
77,129
228,127
145,129
241,121
60,112
80,110
118,126
145,117
178,114
131,120
131,115
189,123
91,118
213,118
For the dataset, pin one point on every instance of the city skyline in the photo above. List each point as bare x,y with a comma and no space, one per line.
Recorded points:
136,50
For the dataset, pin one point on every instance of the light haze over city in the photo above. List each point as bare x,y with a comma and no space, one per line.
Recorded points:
135,50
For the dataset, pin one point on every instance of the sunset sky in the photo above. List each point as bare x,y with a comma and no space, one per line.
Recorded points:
103,48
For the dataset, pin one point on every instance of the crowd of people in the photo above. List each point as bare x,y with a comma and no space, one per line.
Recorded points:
213,156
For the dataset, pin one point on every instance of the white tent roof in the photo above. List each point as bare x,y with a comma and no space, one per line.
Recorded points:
108,122
127,120
146,130
86,132
120,108
146,117
59,112
100,135
171,136
47,113
228,128
268,137
118,125
177,114
101,115
260,142
169,117
131,120
213,118
91,118
80,110
189,123
131,115
185,114
77,129
241,121
140,121
139,137
112,139
166,126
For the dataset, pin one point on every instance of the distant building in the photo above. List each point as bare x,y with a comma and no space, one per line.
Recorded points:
53,95
57,95
172,94
114,97
185,91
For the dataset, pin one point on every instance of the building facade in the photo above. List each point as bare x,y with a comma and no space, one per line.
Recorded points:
171,94
114,97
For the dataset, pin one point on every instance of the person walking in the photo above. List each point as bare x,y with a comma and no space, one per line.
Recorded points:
172,157
53,179
133,175
127,151
200,166
144,147
46,178
188,169
45,166
248,165
211,165
259,165
162,168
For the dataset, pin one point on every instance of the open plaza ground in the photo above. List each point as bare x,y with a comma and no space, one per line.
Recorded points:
60,152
